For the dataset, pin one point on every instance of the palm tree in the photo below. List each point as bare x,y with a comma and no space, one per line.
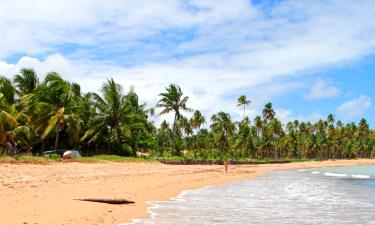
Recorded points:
12,130
55,112
222,127
26,81
137,120
7,90
331,119
268,112
173,101
242,101
110,115
51,106
198,119
275,133
245,139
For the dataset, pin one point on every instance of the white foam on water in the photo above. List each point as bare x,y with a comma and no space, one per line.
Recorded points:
301,170
156,204
359,176
328,174
318,200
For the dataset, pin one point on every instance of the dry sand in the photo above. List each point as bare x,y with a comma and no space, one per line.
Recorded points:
44,194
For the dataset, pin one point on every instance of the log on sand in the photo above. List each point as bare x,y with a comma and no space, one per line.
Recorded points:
116,201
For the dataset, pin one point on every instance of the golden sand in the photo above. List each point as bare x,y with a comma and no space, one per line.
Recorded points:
44,194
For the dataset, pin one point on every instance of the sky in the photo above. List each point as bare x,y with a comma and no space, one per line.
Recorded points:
309,58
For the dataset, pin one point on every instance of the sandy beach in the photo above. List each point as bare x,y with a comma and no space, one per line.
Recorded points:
44,194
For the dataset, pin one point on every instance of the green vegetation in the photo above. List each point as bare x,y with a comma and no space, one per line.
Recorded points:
36,116
56,158
113,158
26,159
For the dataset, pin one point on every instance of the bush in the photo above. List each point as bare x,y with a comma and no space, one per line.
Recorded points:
124,150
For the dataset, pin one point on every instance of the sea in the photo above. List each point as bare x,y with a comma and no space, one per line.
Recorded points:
338,195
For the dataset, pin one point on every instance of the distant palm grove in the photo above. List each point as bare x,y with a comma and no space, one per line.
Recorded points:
36,116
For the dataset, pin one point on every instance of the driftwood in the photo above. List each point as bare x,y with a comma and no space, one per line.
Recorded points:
116,201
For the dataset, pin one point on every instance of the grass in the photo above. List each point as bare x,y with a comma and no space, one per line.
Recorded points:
25,159
116,158
286,160
113,158
187,160
6,159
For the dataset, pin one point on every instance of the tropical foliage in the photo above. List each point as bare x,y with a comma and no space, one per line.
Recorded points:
36,116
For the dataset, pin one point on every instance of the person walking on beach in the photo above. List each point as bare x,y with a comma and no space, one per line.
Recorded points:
226,166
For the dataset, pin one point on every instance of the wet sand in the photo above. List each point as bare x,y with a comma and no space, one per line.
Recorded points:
44,194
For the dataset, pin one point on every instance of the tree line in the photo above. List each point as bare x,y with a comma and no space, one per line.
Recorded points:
36,116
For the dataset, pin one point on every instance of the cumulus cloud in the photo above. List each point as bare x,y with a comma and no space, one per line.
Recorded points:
215,50
354,108
287,115
209,90
321,89
283,114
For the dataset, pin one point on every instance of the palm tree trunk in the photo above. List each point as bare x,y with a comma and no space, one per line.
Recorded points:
42,147
109,141
243,116
174,135
57,136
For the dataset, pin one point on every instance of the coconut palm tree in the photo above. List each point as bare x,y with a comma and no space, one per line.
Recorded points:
268,112
242,101
197,121
245,139
26,81
12,129
222,127
51,107
7,90
173,101
110,114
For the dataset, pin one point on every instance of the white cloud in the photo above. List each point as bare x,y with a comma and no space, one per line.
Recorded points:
354,108
283,114
207,88
287,115
321,89
215,50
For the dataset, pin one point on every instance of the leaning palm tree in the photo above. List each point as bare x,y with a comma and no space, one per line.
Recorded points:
242,101
173,101
26,81
11,128
51,107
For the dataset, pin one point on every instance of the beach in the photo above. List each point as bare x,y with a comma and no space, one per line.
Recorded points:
45,194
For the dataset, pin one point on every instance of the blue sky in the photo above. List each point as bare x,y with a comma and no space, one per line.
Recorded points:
309,58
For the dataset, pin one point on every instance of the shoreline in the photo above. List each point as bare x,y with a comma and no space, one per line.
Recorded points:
43,194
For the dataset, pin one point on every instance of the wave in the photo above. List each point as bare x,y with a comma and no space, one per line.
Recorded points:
315,172
359,176
328,174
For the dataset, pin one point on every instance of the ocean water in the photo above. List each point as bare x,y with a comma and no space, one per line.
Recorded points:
342,195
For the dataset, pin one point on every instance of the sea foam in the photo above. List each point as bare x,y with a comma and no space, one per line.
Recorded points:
361,176
328,174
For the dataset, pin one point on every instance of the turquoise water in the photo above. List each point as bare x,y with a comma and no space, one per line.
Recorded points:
344,195
368,170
